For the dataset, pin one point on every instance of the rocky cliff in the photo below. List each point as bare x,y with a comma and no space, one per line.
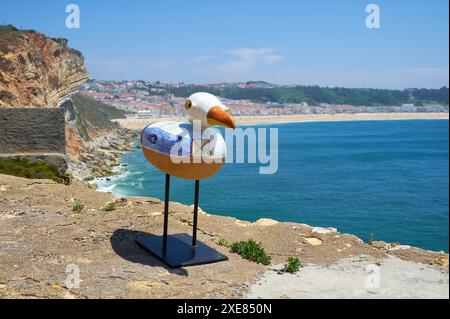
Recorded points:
37,71
94,142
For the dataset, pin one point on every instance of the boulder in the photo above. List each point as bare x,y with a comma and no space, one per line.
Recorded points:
441,261
313,241
266,222
322,230
379,244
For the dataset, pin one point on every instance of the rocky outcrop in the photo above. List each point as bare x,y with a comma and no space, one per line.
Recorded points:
94,143
36,74
88,160
36,71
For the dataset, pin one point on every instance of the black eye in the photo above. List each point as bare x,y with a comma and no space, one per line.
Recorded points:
188,104
152,138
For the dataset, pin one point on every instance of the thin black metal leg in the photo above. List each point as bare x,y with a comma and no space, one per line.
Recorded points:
194,227
180,254
166,213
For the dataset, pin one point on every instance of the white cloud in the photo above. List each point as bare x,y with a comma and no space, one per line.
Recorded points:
246,59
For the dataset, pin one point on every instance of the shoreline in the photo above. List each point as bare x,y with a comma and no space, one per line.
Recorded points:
139,124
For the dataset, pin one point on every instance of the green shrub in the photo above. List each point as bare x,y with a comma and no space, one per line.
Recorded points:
223,242
109,207
92,186
7,28
21,167
10,36
292,265
251,250
61,41
77,207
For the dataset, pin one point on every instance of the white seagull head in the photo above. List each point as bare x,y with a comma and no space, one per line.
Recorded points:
208,109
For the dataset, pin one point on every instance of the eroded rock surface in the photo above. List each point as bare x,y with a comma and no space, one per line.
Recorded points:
42,240
37,71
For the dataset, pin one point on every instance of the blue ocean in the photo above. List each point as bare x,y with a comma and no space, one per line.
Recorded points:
386,178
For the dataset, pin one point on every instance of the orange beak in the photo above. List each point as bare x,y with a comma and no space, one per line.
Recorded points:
217,116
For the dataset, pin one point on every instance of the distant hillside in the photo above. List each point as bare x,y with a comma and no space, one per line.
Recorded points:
93,116
315,95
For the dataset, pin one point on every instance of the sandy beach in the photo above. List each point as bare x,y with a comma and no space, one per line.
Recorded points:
138,124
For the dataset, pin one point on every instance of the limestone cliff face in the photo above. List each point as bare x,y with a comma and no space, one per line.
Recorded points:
36,71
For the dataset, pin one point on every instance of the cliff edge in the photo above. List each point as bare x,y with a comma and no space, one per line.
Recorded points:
43,240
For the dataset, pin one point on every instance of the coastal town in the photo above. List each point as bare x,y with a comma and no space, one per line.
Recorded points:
143,99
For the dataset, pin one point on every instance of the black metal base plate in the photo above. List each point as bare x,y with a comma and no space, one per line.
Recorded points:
180,252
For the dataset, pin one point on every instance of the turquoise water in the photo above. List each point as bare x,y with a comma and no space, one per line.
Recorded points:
389,178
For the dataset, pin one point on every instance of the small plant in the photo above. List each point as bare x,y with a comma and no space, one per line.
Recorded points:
109,207
251,250
77,207
292,265
223,242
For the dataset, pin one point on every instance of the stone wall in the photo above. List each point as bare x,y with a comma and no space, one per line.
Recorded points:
36,134
32,130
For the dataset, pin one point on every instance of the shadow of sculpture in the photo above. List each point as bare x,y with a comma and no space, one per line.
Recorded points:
124,244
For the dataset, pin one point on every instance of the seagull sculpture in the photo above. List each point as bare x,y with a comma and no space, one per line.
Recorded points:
190,150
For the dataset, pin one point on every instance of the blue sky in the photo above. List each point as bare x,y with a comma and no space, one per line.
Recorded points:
303,42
